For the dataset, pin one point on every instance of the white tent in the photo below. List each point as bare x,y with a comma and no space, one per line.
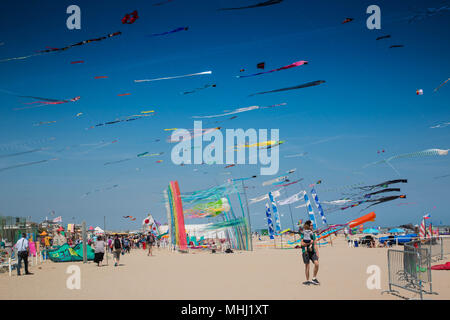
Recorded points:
98,230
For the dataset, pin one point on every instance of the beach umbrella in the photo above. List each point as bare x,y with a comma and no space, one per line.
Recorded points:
397,230
371,231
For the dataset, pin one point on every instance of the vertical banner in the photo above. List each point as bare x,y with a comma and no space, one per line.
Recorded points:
312,217
422,230
269,221
319,206
182,240
275,213
169,217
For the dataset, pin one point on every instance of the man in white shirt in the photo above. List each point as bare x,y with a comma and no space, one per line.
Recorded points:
22,253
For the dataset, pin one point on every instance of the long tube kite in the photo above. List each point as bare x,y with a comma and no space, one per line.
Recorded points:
239,110
428,152
175,77
441,85
25,164
172,31
301,86
276,214
257,5
292,65
352,224
64,48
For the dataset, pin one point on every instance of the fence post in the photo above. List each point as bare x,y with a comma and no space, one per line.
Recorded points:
442,248
9,262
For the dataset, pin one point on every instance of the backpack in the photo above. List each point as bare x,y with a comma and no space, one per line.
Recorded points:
116,244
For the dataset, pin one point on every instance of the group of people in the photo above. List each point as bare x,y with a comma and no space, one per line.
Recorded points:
119,245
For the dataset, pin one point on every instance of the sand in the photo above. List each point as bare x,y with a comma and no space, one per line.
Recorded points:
264,273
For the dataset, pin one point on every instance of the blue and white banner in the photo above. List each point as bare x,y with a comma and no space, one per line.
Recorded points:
276,215
319,206
269,221
310,211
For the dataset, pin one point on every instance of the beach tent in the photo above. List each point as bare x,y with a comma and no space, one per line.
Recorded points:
397,230
371,231
98,230
91,228
65,253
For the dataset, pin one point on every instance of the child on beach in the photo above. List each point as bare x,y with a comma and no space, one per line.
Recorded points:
309,252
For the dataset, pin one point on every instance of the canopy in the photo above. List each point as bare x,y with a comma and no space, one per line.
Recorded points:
397,230
91,228
371,231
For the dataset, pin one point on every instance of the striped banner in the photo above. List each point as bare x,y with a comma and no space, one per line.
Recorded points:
319,206
312,217
269,221
276,214
422,231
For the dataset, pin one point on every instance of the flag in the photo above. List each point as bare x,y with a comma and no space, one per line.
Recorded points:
57,219
430,231
269,221
422,230
427,216
319,206
310,211
276,215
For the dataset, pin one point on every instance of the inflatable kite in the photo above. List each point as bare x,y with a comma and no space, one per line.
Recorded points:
130,18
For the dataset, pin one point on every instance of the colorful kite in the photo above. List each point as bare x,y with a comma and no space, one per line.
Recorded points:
172,31
292,199
76,62
175,77
101,77
384,184
292,65
45,102
161,3
301,86
261,65
257,5
396,46
419,92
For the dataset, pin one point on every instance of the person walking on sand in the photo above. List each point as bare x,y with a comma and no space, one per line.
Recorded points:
309,252
150,242
99,251
22,253
117,245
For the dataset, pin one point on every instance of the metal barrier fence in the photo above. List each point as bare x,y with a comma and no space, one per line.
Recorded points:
410,270
438,247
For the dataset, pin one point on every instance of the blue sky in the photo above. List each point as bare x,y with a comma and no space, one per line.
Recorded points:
368,102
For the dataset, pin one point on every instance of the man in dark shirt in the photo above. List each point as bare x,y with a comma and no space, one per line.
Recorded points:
309,252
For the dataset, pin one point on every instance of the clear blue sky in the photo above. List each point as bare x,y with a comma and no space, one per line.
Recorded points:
368,102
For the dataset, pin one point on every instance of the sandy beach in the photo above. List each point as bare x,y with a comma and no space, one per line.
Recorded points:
264,273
